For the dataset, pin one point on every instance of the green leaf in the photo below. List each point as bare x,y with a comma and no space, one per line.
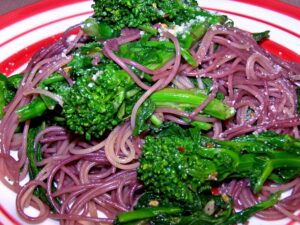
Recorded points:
143,114
98,30
34,154
8,89
151,54
261,35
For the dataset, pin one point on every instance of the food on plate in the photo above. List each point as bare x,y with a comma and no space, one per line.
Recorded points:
154,112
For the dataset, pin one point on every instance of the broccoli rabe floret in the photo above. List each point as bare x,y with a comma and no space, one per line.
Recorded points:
111,17
174,163
82,61
99,101
129,13
101,96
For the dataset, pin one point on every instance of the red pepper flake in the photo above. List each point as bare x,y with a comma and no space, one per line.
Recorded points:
214,191
181,149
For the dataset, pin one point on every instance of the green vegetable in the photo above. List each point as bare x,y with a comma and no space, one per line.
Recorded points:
98,101
208,82
34,109
146,213
184,100
244,215
99,31
143,114
192,19
128,13
8,89
261,35
34,154
206,209
83,57
263,143
177,165
110,18
189,99
55,83
101,97
152,54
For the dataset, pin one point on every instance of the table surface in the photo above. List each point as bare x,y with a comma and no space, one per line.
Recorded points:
9,5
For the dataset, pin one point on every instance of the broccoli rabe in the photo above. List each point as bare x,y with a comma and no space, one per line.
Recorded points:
8,89
188,99
261,35
153,54
55,83
185,100
206,209
177,165
101,97
110,18
127,13
263,142
99,101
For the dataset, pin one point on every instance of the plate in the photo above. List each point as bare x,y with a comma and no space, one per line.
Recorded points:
25,30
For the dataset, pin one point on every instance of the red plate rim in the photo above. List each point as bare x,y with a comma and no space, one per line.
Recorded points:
44,5
276,5
33,9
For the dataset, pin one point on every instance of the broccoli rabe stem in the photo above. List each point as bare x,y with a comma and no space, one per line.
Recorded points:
262,143
202,125
146,213
194,33
188,100
182,216
185,100
234,218
244,215
259,167
40,104
8,89
156,120
120,14
148,29
278,160
34,109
